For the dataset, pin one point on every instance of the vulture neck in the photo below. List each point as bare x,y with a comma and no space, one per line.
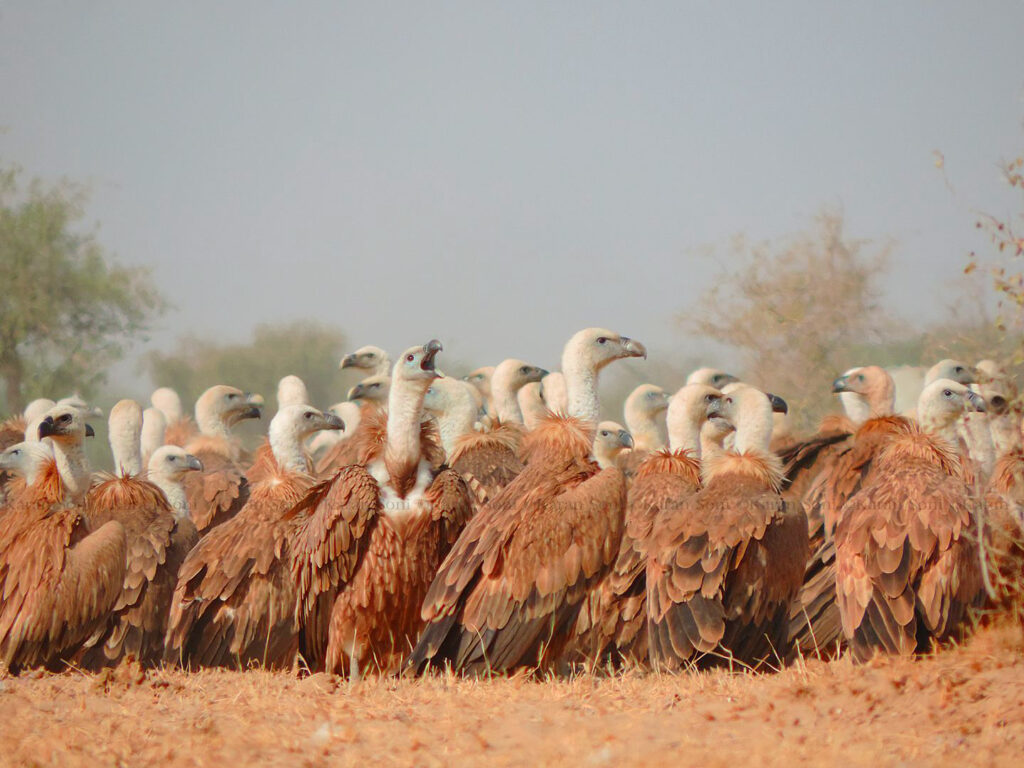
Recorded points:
456,421
936,425
687,436
506,406
581,387
978,439
405,404
126,447
286,445
175,493
531,405
73,467
754,433
644,429
211,424
855,406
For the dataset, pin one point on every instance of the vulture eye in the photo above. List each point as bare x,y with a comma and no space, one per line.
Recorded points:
172,458
232,396
65,418
860,377
375,386
947,392
602,340
604,433
524,370
959,369
309,414
410,358
709,398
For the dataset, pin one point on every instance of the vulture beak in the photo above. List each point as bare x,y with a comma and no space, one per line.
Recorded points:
975,402
193,463
714,408
89,431
542,373
778,404
356,392
333,421
841,385
47,428
625,439
430,350
250,412
973,374
634,348
256,400
348,361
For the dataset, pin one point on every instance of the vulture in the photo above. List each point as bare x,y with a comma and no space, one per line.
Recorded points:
512,585
531,404
372,359
711,377
179,427
234,603
59,578
645,407
906,570
613,623
553,390
154,430
725,563
610,440
217,492
346,451
369,540
157,541
868,396
291,390
509,377
351,414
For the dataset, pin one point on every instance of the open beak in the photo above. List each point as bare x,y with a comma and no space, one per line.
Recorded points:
778,404
634,348
714,408
430,350
193,463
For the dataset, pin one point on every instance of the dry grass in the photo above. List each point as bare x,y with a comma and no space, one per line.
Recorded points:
960,706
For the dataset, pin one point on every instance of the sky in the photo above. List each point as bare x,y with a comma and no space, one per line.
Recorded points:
500,175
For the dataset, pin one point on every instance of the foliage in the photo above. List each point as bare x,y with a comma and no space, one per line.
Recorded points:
304,348
69,310
806,303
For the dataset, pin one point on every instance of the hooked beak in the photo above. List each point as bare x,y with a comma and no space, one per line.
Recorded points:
634,348
778,404
333,421
841,385
89,431
348,361
47,428
356,392
193,463
625,439
430,350
976,402
714,408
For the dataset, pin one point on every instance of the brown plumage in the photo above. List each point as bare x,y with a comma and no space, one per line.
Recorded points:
59,579
345,452
513,584
488,461
180,432
12,432
220,490
234,603
612,624
364,556
139,620
815,626
1003,532
905,566
724,567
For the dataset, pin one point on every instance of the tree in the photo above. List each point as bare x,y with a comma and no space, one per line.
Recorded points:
796,310
304,348
68,309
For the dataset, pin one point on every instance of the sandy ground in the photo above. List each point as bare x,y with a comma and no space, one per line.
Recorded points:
962,706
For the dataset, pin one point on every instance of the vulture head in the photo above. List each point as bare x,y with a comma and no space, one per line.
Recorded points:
514,374
688,410
447,394
646,402
291,390
866,392
610,440
943,401
481,379
65,424
373,389
169,462
25,459
167,401
37,409
749,411
417,364
295,423
77,401
227,405
594,348
368,358
710,377
955,370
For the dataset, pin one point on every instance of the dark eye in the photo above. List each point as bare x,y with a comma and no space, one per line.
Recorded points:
172,458
728,400
860,377
65,418
232,397
947,392
524,369
309,414
374,386
410,358
709,398
602,340
604,433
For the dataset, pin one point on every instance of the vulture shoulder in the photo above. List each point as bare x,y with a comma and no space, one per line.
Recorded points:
904,558
724,568
487,461
217,492
59,582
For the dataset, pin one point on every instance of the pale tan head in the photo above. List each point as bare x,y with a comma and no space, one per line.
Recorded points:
710,377
610,440
221,407
373,389
872,386
688,409
954,370
749,411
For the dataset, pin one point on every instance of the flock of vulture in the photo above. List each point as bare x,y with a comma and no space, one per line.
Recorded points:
493,523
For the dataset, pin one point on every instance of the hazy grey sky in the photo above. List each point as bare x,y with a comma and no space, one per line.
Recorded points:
500,175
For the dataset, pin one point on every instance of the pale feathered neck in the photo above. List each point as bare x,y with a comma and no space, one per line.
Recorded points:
405,407
286,439
581,376
642,425
210,422
754,429
174,490
73,467
456,421
125,440
503,394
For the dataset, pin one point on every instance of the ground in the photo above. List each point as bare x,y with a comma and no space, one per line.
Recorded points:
960,706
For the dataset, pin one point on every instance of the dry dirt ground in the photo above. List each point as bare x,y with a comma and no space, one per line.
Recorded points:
961,706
